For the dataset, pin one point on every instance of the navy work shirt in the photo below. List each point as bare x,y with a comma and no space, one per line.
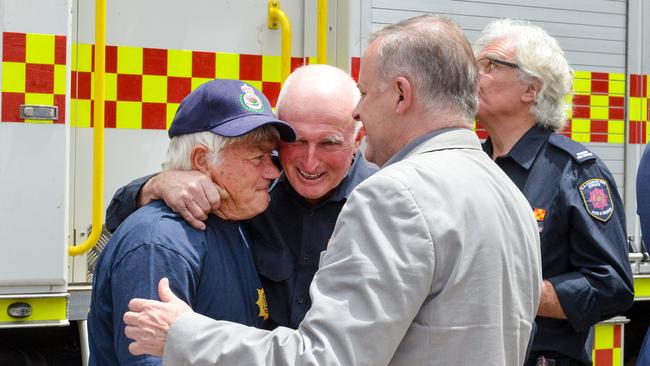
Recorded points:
582,232
212,270
643,195
288,239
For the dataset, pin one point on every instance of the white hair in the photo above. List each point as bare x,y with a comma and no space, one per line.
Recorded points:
540,59
179,151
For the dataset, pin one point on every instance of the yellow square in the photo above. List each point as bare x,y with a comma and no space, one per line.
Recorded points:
634,107
312,60
271,68
227,65
110,86
80,113
129,60
616,127
39,49
128,115
171,112
256,83
196,82
83,58
179,63
599,100
13,77
599,112
617,76
59,79
617,87
582,86
154,88
581,137
604,336
579,125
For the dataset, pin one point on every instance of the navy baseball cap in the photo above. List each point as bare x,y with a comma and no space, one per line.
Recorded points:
227,108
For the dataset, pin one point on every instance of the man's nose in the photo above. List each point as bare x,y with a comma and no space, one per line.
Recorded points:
310,160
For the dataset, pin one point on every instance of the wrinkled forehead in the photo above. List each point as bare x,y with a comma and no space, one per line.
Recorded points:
501,48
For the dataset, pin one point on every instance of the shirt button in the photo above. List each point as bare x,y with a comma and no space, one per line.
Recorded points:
306,257
300,300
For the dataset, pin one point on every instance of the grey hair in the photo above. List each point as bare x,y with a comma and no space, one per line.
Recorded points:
179,151
540,59
432,52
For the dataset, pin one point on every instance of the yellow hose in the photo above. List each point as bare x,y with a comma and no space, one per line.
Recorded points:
277,16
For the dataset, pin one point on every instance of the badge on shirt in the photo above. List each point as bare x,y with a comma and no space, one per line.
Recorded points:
539,213
597,198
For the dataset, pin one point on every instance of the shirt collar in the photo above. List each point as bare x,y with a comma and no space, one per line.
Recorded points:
526,149
406,150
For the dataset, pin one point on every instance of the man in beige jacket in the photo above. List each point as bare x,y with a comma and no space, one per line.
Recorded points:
434,259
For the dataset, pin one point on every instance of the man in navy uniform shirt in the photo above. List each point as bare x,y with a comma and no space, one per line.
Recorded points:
320,170
524,78
226,130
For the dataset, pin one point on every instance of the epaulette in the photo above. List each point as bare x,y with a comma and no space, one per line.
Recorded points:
577,151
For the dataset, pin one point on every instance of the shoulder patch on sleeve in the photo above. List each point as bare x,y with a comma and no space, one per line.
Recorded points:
597,198
577,151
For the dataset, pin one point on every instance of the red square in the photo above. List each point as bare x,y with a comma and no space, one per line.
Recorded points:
356,64
581,100
604,357
250,67
59,101
203,64
154,116
580,112
599,86
110,114
617,336
59,50
616,112
616,101
13,46
83,85
178,88
39,78
271,90
637,87
73,84
599,76
637,132
92,63
296,62
11,106
154,61
129,88
111,59
599,126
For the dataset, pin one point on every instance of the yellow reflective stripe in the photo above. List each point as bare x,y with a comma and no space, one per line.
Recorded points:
49,308
641,287
13,77
227,65
271,68
179,63
604,336
129,60
154,89
39,49
128,115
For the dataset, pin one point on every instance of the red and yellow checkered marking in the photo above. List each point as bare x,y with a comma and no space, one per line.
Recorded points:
33,72
598,108
607,345
639,109
144,86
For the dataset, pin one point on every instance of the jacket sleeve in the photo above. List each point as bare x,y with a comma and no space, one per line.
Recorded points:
601,286
124,203
643,196
373,279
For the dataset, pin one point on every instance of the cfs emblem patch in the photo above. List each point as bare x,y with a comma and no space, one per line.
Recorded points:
261,304
597,198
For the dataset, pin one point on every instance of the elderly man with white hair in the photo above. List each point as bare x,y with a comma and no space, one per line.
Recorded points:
225,129
524,78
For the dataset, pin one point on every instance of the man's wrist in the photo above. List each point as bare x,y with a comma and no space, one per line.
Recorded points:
147,192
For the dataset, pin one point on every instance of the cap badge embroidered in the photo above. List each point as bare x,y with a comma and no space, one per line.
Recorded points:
597,198
249,100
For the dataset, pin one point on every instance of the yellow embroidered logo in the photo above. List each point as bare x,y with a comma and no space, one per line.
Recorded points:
261,303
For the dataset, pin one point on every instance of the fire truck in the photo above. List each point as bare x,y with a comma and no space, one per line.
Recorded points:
90,87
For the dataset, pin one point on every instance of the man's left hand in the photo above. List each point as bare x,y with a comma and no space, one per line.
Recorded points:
148,321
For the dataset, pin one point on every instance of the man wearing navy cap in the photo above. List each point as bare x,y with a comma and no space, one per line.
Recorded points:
226,130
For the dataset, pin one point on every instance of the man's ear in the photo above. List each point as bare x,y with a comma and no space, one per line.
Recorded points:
532,91
199,158
404,94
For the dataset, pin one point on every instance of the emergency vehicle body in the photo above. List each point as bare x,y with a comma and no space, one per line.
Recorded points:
158,51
